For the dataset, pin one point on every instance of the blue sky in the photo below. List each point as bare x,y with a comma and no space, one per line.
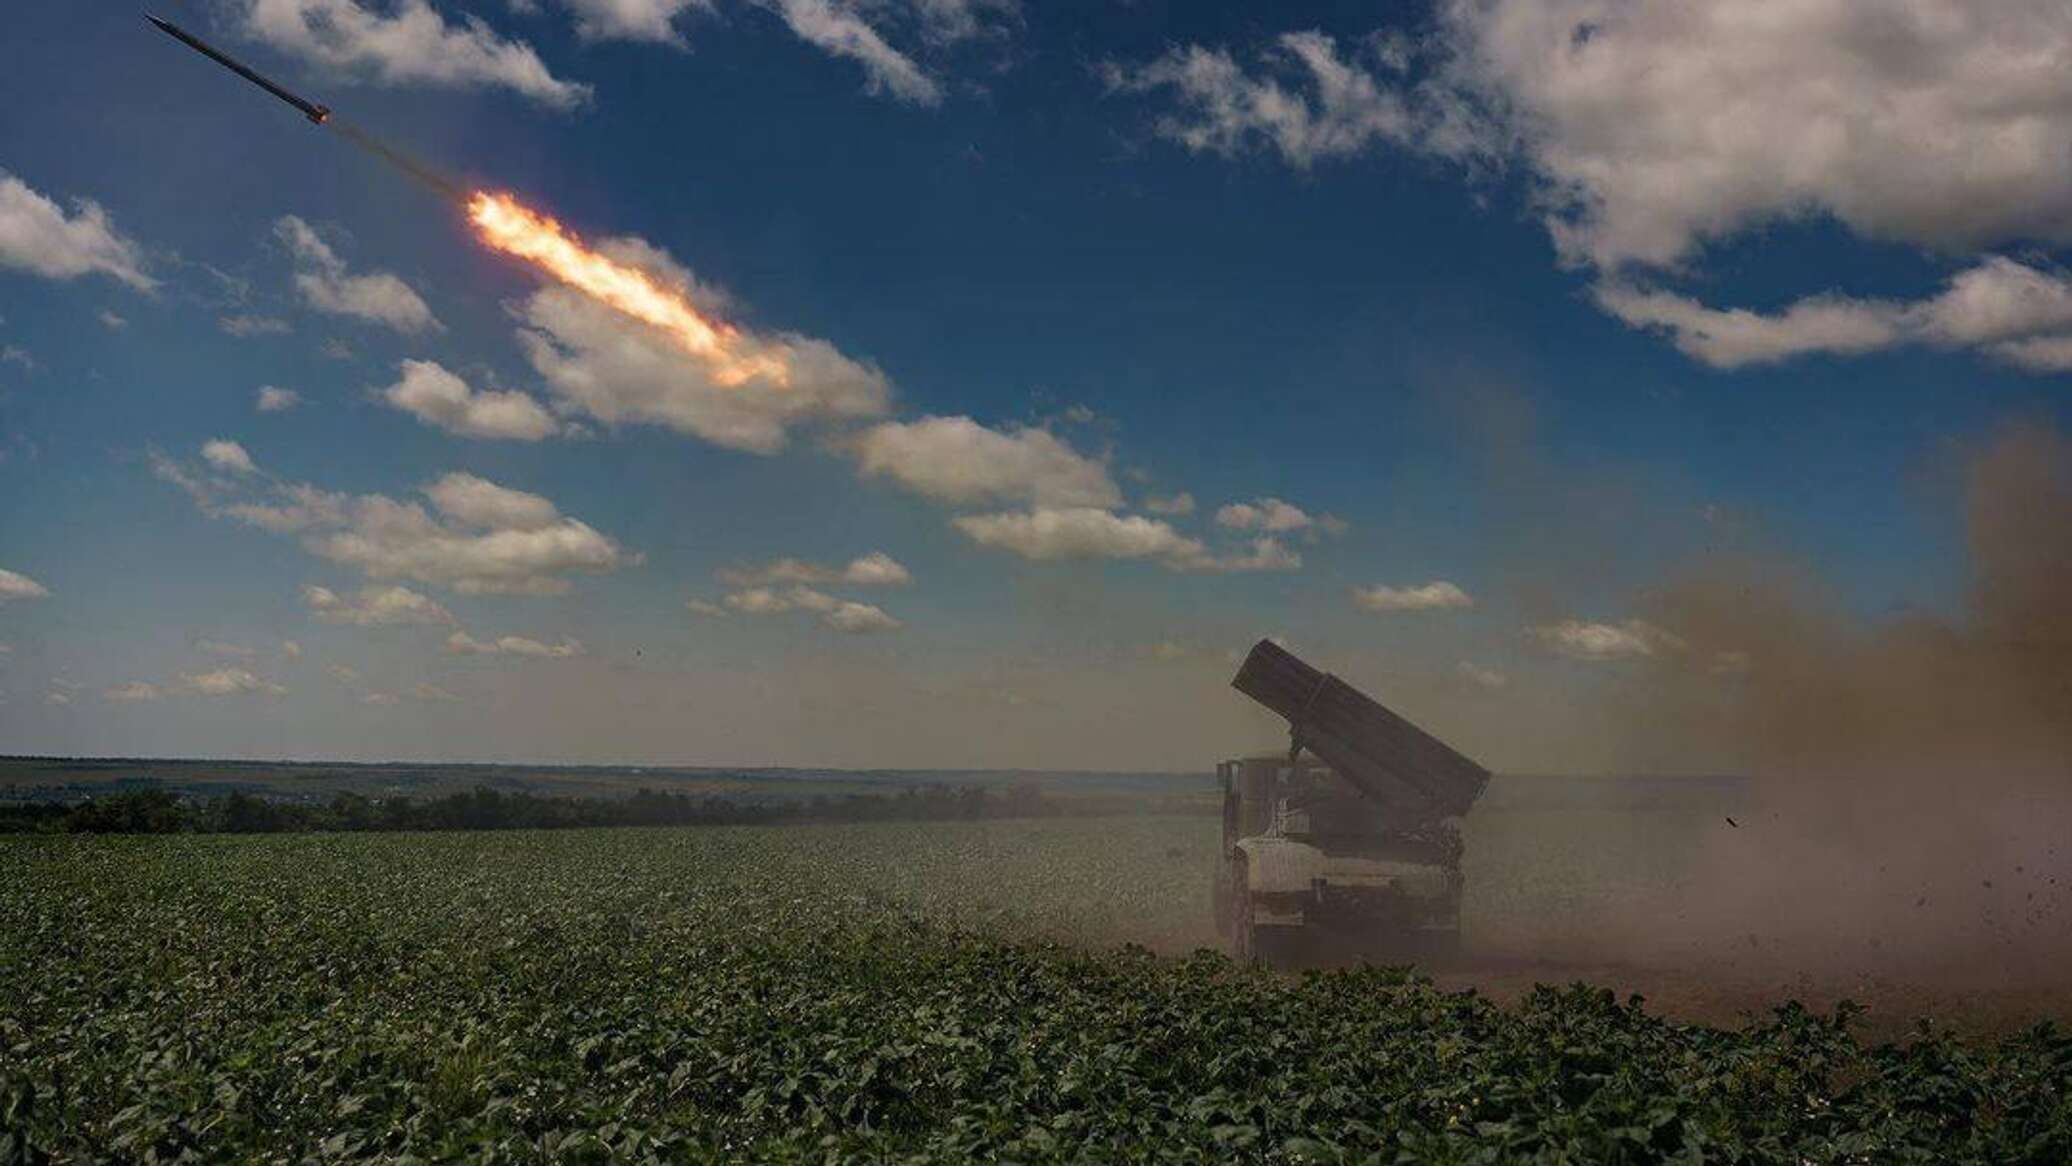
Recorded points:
1425,279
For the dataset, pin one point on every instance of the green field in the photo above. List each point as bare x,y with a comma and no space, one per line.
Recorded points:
876,992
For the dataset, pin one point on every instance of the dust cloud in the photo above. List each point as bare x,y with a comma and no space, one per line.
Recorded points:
1910,816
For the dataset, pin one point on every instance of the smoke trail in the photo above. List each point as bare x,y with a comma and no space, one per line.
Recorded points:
509,226
412,168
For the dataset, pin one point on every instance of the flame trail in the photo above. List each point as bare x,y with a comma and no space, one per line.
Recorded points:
509,226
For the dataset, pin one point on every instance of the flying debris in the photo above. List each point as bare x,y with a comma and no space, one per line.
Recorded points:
317,114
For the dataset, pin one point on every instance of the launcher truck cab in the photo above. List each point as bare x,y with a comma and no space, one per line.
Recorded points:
1348,845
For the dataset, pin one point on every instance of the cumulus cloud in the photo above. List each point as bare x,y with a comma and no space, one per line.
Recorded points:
274,400
292,649
634,20
228,456
226,682
37,236
14,585
343,673
874,569
1654,130
463,644
1582,640
135,690
111,320
405,43
478,538
379,699
432,694
956,460
1055,534
428,392
1267,514
1176,506
603,364
843,615
706,607
325,284
2015,313
1434,596
1261,554
372,607
1079,532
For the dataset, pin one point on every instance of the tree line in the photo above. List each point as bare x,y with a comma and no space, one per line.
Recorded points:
157,811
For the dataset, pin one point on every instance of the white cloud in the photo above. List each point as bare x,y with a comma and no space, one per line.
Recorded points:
1436,595
485,539
1654,130
843,615
379,699
372,607
37,236
1336,108
57,698
387,539
1265,553
874,569
135,690
344,673
758,601
1657,127
1080,532
1053,534
432,693
408,43
706,607
322,279
228,456
480,502
273,400
839,29
1175,506
438,398
292,649
463,644
2010,311
111,320
1582,640
10,354
859,619
635,20
226,682
248,326
958,461
1488,678
604,364
1268,514
17,586
1165,650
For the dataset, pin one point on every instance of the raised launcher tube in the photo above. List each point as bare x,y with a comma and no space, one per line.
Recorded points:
1397,764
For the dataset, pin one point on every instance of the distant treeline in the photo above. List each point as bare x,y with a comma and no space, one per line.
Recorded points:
484,808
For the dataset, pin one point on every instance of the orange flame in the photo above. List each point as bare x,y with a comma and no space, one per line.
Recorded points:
515,229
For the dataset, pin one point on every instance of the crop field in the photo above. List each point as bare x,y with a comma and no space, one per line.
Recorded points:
874,992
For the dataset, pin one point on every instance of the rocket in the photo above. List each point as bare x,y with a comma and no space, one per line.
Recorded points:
317,114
